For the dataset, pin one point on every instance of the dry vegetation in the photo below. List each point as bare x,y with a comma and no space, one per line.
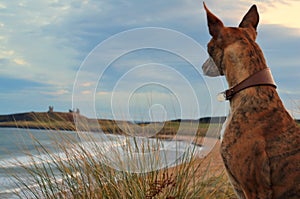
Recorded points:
83,173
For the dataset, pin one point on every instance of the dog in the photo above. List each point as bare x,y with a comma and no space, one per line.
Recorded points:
261,144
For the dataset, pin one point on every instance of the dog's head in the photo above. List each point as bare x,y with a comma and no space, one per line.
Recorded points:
227,43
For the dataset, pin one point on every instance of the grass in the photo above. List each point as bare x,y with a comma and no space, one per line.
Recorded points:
81,171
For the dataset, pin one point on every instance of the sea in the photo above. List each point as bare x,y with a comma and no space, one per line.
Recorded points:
17,143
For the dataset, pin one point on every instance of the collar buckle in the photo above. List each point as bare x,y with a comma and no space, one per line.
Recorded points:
221,97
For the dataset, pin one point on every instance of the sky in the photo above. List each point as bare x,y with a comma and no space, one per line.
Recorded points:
138,59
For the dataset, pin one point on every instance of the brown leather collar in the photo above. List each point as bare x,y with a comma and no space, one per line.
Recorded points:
261,78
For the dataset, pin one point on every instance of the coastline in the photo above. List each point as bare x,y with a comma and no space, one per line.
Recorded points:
66,121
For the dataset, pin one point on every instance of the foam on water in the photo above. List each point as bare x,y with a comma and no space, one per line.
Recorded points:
116,147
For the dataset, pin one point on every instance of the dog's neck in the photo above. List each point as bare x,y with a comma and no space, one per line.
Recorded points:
261,78
238,67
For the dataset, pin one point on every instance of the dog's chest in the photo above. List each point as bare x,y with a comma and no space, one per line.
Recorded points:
222,132
237,139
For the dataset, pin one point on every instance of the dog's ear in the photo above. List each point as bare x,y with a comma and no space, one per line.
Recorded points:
251,18
215,25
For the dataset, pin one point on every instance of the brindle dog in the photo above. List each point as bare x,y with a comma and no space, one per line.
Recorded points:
261,144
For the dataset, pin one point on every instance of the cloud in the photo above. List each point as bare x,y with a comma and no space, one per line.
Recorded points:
5,53
52,38
55,93
280,46
14,85
86,84
272,12
26,41
20,61
86,92
102,93
2,6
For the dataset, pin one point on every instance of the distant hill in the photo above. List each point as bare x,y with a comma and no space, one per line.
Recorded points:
33,116
65,121
40,120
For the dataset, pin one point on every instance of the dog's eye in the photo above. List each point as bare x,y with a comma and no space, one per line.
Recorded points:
211,49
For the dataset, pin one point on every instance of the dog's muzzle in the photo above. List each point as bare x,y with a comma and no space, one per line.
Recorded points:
210,68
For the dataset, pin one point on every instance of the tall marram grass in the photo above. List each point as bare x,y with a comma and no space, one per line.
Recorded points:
78,171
